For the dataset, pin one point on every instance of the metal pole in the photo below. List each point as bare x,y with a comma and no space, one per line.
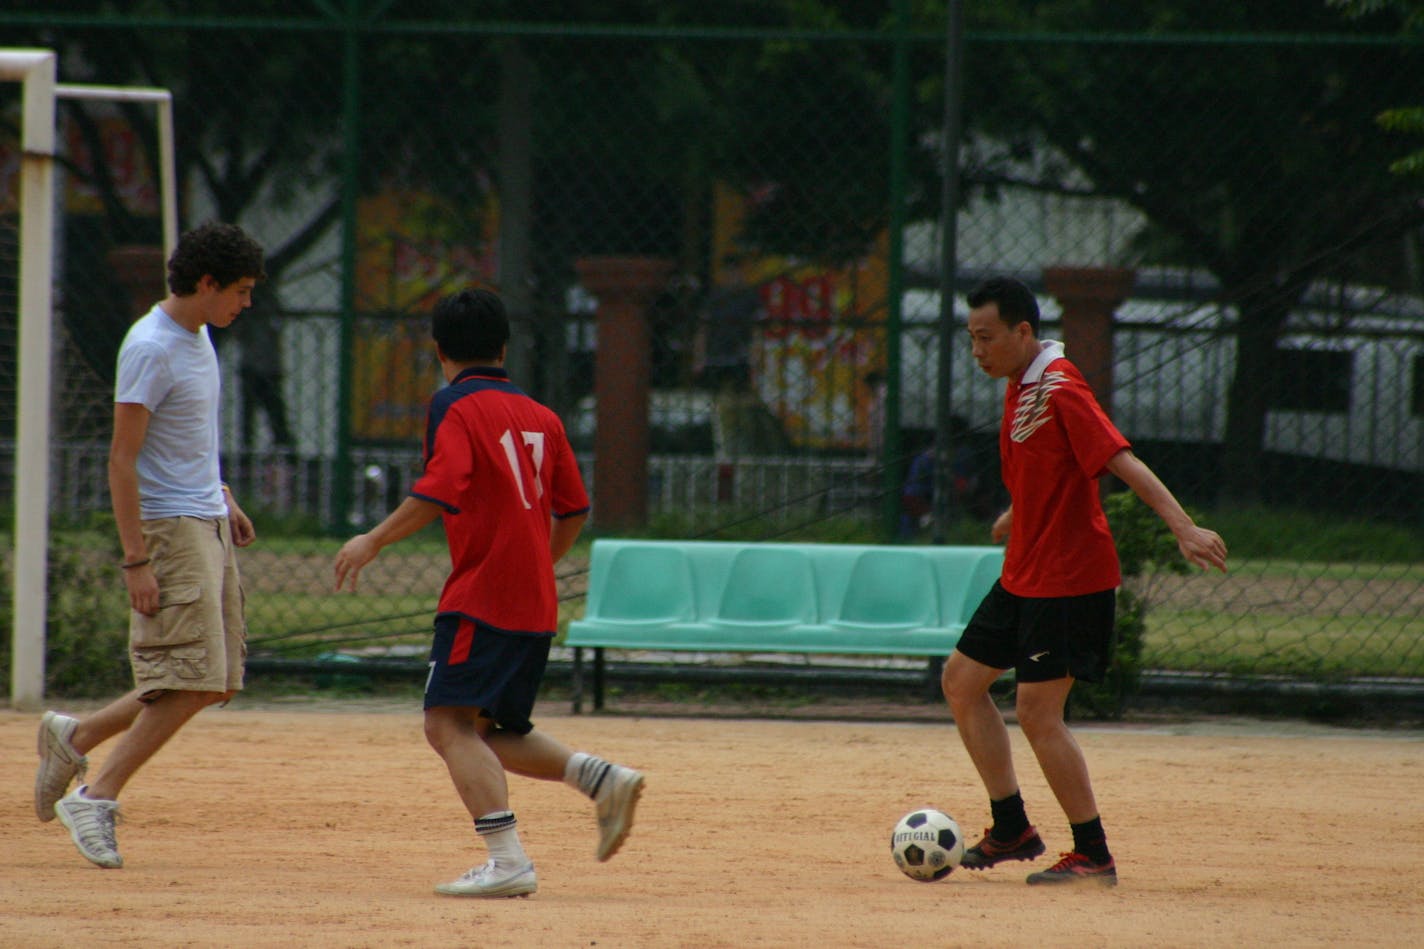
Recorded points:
168,175
891,463
27,671
341,494
949,266
162,99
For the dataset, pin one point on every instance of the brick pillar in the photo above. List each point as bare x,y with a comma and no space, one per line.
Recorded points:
142,272
1089,296
624,286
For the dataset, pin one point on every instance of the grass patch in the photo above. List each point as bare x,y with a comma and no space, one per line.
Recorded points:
296,625
1283,568
303,625
1274,534
1292,634
1261,643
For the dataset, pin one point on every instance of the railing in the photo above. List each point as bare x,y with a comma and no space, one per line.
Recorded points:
776,488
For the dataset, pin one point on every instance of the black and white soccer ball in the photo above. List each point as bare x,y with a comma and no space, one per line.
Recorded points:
927,845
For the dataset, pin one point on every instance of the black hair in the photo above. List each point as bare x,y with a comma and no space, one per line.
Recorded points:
470,326
1015,300
222,251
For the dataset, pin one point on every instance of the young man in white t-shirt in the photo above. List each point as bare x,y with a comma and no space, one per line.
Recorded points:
178,525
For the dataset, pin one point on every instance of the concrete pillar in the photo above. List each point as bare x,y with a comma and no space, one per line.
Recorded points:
624,286
1089,296
143,273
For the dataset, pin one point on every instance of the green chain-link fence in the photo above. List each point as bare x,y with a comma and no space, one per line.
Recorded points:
1211,177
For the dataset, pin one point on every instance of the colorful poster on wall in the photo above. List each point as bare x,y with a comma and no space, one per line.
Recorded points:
413,248
10,156
124,161
821,332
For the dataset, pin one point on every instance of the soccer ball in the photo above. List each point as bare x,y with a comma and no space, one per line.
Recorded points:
927,845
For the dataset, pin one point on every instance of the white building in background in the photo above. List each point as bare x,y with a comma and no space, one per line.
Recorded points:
1173,357
1360,401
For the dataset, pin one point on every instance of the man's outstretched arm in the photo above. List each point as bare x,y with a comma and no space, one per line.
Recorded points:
1200,546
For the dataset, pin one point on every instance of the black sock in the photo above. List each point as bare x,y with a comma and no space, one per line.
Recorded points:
1010,821
1090,841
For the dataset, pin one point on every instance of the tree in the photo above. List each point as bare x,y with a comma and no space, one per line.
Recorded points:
1257,162
260,111
1404,119
253,126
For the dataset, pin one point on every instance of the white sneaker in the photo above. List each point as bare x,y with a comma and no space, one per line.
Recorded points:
490,881
91,825
616,800
60,764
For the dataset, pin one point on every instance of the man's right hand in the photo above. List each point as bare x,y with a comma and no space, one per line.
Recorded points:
353,555
143,589
1000,531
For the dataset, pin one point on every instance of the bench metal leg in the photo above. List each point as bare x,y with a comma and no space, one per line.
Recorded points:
933,689
598,678
578,680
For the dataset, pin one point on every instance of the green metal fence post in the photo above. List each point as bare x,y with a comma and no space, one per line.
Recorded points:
351,117
948,266
891,463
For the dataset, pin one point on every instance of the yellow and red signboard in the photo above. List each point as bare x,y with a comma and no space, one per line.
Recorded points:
412,249
823,330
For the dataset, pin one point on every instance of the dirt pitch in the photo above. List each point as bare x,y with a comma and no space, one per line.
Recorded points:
316,826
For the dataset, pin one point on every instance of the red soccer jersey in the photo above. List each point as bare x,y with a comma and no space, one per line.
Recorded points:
1054,443
500,465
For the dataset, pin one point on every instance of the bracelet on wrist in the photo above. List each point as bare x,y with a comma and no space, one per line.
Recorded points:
136,563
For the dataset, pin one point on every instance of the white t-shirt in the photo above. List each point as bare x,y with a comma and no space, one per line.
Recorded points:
174,374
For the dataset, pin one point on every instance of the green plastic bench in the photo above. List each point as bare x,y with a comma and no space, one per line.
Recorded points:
717,596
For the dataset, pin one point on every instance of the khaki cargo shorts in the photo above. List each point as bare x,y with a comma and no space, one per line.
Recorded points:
197,642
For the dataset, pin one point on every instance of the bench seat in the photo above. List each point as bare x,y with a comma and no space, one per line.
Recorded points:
720,596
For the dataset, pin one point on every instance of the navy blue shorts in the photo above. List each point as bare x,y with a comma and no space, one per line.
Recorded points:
475,666
1043,638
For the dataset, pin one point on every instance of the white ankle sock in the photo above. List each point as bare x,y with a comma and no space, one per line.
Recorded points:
499,830
586,772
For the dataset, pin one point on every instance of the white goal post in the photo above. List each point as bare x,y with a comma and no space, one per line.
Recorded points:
36,70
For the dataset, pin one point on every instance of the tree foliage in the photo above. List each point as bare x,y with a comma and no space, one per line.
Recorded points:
1259,163
1407,120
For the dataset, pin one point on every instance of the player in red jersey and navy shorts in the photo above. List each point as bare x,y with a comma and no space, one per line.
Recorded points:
500,472
1050,616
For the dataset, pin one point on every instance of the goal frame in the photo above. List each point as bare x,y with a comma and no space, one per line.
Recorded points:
36,70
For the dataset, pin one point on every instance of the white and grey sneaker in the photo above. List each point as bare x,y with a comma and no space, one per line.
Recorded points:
60,764
91,825
616,799
491,882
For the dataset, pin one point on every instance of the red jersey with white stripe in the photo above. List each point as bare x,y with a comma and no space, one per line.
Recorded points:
1054,443
500,466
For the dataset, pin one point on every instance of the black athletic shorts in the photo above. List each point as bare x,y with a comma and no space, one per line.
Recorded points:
475,666
1043,638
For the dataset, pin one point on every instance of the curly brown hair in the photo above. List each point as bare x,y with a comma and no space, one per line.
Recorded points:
223,251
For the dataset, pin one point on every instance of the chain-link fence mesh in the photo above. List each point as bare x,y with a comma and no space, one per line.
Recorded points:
1209,221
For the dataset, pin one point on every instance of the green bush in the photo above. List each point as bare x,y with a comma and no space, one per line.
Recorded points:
1144,545
86,632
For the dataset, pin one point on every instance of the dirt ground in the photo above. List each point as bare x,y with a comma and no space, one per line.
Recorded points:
298,824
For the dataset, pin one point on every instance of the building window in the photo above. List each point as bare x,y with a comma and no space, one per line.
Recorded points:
1313,380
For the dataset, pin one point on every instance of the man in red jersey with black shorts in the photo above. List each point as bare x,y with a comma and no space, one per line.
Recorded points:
499,470
1050,617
